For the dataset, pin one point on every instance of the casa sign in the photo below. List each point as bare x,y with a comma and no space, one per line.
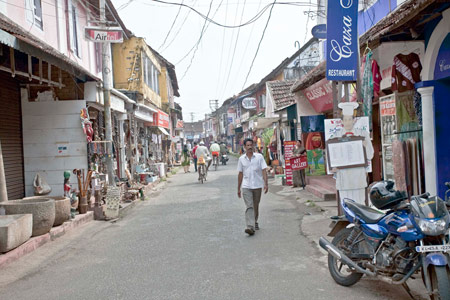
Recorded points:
101,35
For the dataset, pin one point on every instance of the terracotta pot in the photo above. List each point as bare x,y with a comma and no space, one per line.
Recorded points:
43,211
62,208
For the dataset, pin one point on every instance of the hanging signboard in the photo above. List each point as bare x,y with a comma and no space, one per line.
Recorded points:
180,124
102,35
342,40
319,31
161,119
320,95
387,107
249,103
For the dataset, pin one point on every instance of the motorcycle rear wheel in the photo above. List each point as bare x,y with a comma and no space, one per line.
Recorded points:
440,281
336,267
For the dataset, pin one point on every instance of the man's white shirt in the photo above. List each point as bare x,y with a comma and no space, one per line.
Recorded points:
252,171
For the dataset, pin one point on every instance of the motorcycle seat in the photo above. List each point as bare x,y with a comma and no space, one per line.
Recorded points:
367,214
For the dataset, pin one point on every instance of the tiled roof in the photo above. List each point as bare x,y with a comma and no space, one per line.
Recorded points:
310,78
281,93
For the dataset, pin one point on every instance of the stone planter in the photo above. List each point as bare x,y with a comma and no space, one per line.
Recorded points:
62,208
43,211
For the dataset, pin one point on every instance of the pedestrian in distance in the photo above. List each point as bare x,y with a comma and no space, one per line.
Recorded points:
195,156
186,163
252,179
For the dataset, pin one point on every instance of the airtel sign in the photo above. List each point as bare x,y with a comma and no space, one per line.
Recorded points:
249,103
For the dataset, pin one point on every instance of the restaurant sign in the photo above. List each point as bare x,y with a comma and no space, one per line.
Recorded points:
342,43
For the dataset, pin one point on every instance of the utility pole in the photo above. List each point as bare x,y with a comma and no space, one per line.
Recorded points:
192,117
106,65
3,191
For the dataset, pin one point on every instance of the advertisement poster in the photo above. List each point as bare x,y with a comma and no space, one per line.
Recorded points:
314,145
312,123
288,154
334,128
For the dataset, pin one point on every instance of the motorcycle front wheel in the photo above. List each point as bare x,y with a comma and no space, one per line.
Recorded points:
440,282
340,272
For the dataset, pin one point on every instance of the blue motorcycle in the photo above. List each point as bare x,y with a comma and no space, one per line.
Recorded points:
410,239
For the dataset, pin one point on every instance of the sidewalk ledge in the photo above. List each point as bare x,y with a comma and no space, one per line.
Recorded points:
36,242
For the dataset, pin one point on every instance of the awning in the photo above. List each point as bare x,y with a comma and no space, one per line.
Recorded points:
163,131
266,122
236,101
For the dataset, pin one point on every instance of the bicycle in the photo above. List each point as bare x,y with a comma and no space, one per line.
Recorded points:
215,162
201,165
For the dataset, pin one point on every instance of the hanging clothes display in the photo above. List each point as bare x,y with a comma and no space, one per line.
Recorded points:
376,78
418,106
367,87
405,72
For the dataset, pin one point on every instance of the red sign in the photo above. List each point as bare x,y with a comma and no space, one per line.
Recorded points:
104,35
387,107
161,119
180,124
288,154
299,163
320,95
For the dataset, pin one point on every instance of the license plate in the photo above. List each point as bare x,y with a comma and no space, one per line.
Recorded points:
433,248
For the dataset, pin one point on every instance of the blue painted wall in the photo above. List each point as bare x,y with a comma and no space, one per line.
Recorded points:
442,109
371,16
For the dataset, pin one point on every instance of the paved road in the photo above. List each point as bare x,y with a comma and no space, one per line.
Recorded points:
187,242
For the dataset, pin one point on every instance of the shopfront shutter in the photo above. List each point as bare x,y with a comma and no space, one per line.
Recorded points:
11,135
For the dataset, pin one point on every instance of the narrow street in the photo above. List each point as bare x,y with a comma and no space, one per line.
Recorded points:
186,242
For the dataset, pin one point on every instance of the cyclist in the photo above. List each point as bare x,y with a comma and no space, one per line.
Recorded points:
215,150
202,151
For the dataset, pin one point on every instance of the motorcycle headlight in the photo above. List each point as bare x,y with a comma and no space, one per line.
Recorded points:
433,227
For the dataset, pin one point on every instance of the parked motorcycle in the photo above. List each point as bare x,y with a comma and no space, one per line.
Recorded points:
224,159
411,238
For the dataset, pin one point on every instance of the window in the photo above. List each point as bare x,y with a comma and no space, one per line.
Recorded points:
262,101
73,29
34,12
151,75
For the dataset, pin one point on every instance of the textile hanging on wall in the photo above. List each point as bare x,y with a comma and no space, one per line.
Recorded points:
376,77
367,87
405,72
418,106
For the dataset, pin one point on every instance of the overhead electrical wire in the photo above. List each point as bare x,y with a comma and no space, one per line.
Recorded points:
235,47
179,29
198,42
246,47
171,27
252,20
221,53
259,44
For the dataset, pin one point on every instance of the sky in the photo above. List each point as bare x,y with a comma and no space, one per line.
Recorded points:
215,65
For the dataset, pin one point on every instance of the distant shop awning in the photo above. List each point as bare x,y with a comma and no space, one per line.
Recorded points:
262,123
163,131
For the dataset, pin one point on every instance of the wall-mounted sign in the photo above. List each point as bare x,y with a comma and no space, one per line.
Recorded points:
249,103
387,107
180,124
161,119
442,67
101,35
320,95
319,31
342,43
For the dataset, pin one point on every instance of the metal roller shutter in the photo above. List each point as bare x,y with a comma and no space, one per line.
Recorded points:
11,135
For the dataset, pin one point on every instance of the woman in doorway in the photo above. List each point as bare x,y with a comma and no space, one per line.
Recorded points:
186,163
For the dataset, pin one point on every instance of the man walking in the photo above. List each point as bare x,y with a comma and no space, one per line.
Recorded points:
252,178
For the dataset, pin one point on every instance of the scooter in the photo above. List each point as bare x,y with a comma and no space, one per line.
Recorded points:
224,159
411,239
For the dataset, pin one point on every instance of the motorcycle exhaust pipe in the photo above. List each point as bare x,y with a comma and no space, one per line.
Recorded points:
335,252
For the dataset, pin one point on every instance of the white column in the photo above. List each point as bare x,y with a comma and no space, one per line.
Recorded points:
429,139
3,192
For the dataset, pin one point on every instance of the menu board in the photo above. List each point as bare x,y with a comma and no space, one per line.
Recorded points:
288,154
346,154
